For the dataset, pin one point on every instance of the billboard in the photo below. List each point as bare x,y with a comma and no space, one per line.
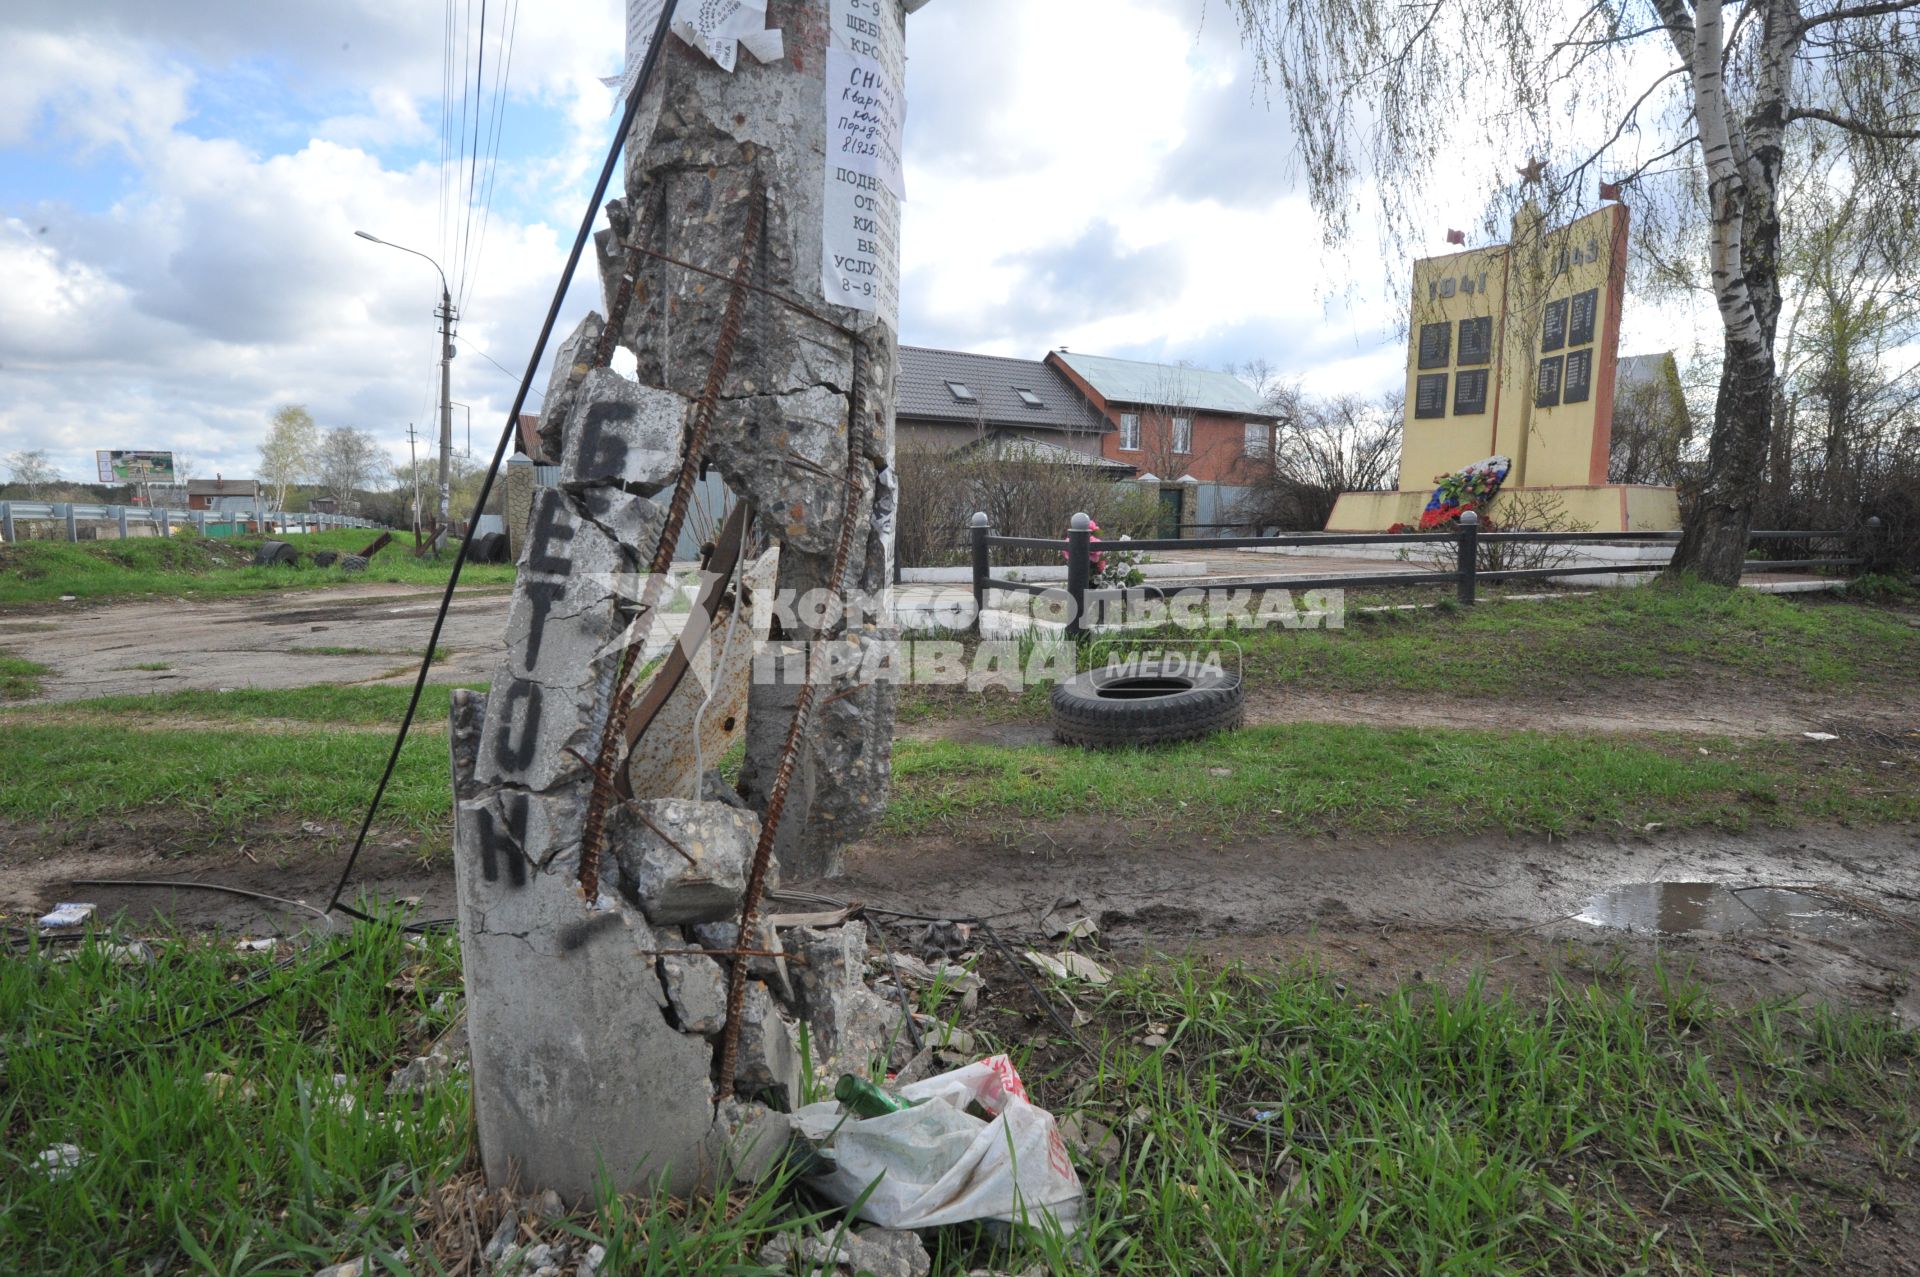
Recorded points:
125,466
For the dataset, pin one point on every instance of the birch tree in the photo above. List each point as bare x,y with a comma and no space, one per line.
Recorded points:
286,458
346,461
1389,100
31,469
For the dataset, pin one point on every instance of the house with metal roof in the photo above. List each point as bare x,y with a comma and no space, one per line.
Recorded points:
1174,420
220,493
1203,437
950,399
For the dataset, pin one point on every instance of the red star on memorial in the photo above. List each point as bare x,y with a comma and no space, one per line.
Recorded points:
1533,171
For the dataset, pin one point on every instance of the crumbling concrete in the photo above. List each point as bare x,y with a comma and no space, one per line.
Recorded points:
868,1252
620,433
747,1144
593,1029
809,401
683,861
850,1026
576,1071
769,1050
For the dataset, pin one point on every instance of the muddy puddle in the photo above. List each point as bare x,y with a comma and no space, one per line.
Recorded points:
1673,908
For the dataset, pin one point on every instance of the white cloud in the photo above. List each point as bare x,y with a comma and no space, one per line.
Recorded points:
1098,173
215,279
86,93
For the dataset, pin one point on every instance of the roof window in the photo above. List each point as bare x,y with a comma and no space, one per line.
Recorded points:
1028,398
961,391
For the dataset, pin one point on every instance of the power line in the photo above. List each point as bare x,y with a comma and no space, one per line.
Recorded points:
502,78
507,434
460,152
473,163
468,343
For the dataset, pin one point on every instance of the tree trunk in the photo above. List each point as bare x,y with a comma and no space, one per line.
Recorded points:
1713,540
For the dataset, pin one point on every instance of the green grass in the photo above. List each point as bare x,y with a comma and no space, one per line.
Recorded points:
1471,1132
222,780
314,754
179,1177
203,567
1593,1129
1610,637
19,678
1608,641
1327,778
323,704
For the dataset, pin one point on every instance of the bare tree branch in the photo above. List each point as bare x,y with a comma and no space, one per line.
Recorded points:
1627,118
1849,12
1613,39
1851,125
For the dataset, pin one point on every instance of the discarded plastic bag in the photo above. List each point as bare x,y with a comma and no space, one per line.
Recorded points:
936,1164
68,913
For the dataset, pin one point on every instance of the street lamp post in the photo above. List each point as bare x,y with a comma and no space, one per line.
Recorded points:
468,409
446,317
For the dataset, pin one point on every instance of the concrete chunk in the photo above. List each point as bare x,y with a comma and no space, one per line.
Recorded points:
695,984
623,434
684,861
769,1059
746,1145
849,1025
570,366
852,1029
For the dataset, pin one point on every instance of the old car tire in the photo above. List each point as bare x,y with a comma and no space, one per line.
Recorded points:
272,553
353,563
325,558
1146,704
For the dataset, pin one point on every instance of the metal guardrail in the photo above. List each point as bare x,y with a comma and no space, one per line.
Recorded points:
1076,548
72,514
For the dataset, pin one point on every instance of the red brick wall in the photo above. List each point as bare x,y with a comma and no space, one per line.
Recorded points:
1218,453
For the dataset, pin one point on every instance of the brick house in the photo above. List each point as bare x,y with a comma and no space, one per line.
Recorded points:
223,494
1203,438
948,399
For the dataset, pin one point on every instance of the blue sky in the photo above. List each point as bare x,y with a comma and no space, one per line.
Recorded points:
179,185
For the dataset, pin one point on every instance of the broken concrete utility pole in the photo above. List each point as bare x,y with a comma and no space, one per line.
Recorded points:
629,1002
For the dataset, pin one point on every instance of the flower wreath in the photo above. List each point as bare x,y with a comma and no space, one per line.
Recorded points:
1472,488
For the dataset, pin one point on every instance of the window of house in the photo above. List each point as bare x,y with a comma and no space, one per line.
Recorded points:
1183,434
1030,399
961,391
1129,432
1259,440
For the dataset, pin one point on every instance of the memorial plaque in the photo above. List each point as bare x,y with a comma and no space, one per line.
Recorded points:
1578,378
1553,327
1470,392
1436,345
1430,396
1546,384
1476,340
1580,317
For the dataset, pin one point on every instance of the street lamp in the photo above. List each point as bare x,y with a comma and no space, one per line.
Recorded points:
446,317
468,409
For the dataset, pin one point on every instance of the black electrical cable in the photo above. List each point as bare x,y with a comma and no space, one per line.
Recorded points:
500,452
184,885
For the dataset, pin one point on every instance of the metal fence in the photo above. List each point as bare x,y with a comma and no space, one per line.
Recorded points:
1076,547
71,516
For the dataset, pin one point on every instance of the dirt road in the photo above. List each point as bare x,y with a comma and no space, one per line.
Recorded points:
356,634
